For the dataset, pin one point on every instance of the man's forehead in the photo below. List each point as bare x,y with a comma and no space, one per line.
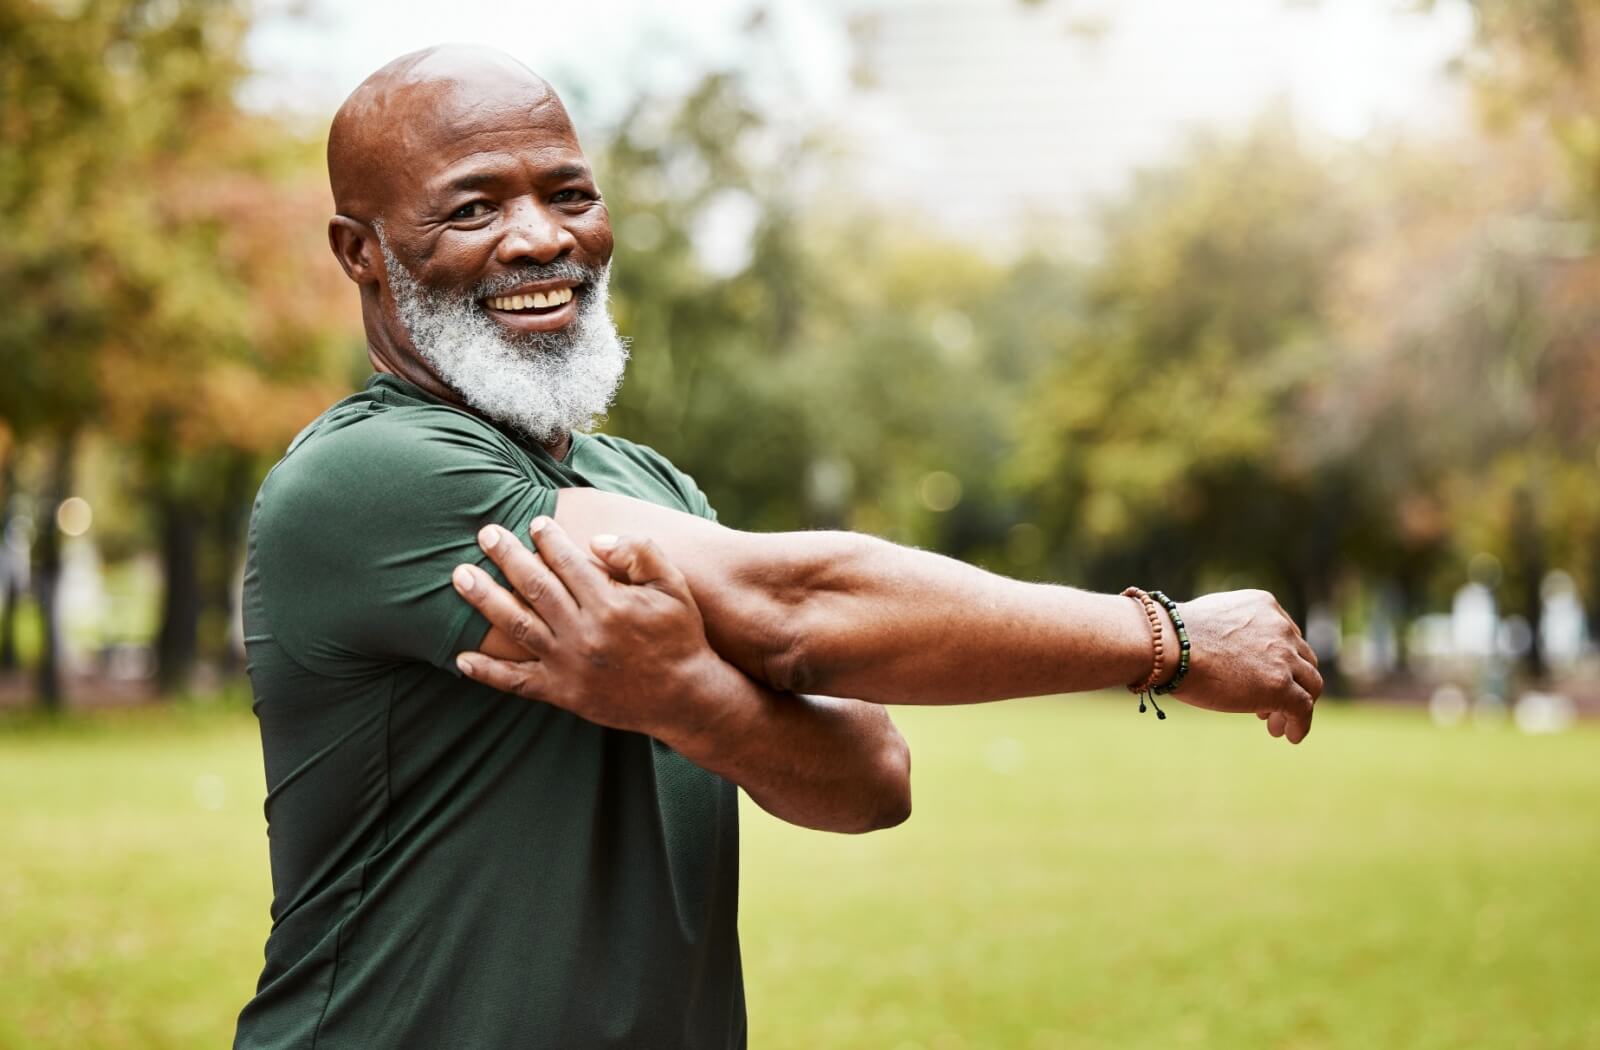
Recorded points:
433,111
469,140
451,116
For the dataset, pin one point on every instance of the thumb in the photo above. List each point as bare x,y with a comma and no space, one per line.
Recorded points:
638,559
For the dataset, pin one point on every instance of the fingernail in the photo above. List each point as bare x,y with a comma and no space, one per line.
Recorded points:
488,536
604,540
538,524
464,662
463,579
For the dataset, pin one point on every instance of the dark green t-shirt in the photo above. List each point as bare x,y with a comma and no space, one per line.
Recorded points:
452,866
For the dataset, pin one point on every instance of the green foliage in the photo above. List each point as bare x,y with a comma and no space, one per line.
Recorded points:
1169,438
94,103
823,379
163,293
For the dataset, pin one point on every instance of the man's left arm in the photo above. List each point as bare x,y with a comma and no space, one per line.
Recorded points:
819,762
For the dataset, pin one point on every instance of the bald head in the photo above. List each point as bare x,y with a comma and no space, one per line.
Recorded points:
406,113
470,220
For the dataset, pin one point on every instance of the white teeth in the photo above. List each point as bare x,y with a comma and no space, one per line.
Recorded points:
536,301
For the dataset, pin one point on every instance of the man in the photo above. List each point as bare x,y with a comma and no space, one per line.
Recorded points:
457,867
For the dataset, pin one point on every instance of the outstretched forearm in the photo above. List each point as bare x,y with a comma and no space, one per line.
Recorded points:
870,618
849,615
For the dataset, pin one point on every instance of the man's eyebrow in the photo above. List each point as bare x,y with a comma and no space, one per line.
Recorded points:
567,171
477,180
472,181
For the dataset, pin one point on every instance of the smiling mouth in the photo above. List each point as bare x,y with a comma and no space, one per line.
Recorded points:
533,303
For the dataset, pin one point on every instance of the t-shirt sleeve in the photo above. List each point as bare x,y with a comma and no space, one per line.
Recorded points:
357,534
688,492
698,503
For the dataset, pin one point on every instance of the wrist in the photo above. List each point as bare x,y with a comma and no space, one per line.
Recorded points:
711,695
1168,633
1158,640
1135,652
1181,650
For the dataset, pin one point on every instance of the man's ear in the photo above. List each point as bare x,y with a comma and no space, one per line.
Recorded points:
355,245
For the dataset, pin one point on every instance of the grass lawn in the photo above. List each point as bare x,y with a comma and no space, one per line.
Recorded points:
1075,876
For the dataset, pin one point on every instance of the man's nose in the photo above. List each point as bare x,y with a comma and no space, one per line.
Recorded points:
532,233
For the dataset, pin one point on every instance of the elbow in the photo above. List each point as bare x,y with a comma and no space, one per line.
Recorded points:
806,648
791,658
789,664
890,805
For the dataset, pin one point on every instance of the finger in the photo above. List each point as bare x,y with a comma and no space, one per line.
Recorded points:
525,678
639,559
572,566
531,578
1276,723
502,609
1263,715
1296,714
1307,677
1303,647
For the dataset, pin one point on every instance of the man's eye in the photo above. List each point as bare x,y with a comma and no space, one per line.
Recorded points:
568,196
475,210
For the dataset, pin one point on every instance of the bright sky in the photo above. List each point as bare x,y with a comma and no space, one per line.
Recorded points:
961,83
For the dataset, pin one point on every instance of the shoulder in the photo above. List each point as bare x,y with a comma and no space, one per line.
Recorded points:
641,455
391,478
649,461
387,433
396,453
357,528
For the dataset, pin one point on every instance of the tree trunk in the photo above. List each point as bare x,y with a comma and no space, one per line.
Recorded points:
47,578
1528,545
10,571
178,642
1408,591
1592,606
230,522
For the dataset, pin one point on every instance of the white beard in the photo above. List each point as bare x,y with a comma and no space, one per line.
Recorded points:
542,384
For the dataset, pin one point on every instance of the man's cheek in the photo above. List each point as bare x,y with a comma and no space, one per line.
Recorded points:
456,265
594,233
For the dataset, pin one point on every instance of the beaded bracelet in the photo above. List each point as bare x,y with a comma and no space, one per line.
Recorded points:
1145,689
1183,644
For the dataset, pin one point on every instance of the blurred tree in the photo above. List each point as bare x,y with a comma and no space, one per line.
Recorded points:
155,293
1535,59
811,363
1170,440
1534,62
199,395
60,121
